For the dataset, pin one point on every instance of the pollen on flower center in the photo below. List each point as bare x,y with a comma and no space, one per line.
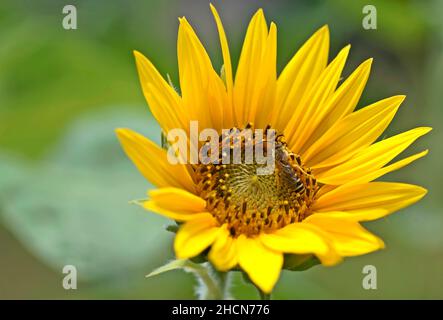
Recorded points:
250,203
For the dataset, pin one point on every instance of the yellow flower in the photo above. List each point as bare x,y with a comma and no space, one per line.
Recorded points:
314,200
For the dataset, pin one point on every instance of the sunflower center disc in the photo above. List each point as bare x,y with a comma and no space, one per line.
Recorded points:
251,203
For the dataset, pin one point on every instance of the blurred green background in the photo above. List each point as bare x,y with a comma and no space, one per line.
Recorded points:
65,183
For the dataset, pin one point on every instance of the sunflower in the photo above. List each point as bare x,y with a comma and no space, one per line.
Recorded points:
319,192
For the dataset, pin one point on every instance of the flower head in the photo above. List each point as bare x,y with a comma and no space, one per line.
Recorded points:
326,154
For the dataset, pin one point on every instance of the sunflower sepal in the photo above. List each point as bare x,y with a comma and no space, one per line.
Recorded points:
299,262
223,74
164,141
172,228
201,258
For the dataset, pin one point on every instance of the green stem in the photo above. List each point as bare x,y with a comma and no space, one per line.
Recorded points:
207,279
263,295
214,290
224,281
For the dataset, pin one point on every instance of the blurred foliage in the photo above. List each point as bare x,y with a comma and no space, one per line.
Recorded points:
65,183
76,204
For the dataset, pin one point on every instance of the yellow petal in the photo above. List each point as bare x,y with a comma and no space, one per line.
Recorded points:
306,117
225,51
324,189
228,117
175,199
179,215
299,76
384,197
348,238
262,105
162,99
301,238
370,159
352,134
249,76
392,167
341,103
195,236
262,264
175,204
203,92
355,216
152,161
223,254
218,105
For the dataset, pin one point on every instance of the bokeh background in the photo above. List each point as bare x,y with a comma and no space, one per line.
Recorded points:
65,183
